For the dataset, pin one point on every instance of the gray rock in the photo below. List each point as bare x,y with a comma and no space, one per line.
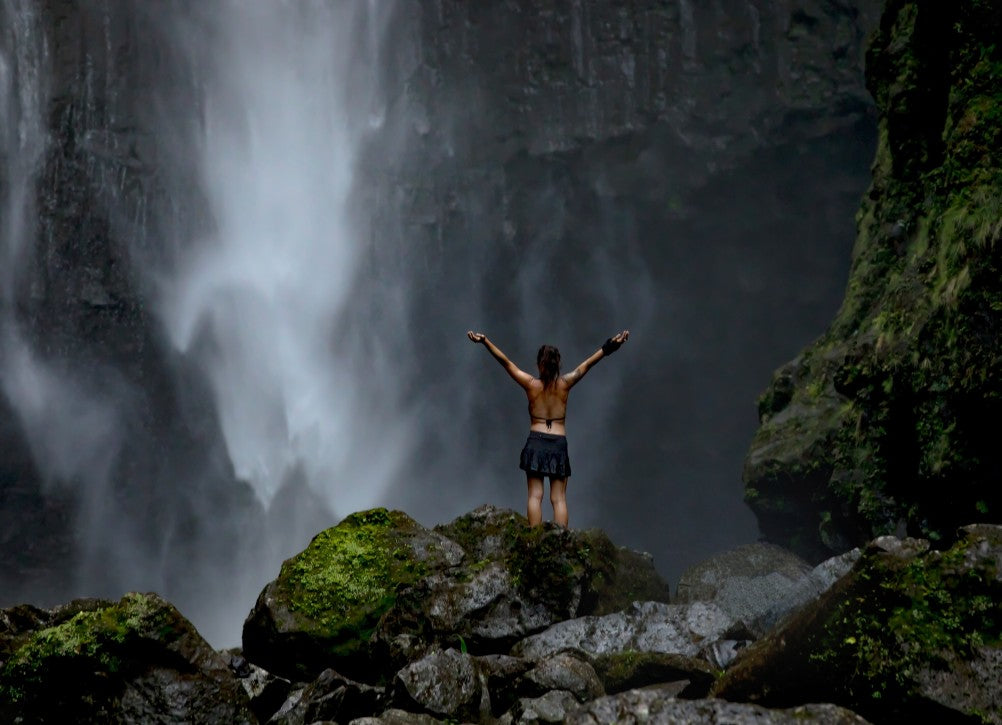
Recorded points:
564,671
444,683
331,697
759,584
655,706
805,590
645,627
713,577
551,707
267,692
690,677
503,676
395,716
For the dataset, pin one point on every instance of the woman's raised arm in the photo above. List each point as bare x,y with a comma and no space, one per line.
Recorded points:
519,376
610,346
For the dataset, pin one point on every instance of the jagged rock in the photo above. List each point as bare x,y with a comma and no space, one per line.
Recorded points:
503,676
137,660
395,716
802,592
267,692
563,671
760,583
328,599
644,706
645,627
445,683
621,671
908,633
713,579
745,582
331,697
551,707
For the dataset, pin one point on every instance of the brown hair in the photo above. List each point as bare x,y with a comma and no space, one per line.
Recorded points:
548,360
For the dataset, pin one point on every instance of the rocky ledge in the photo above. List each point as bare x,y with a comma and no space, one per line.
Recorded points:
486,620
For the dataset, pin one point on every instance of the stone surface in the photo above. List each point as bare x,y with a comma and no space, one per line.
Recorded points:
396,716
445,683
564,671
643,706
629,670
551,707
645,627
330,697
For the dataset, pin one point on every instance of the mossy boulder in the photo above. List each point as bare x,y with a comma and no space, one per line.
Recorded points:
137,660
908,635
867,429
327,600
542,558
379,591
517,580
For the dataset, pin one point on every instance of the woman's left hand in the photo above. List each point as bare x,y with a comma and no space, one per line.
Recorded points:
476,336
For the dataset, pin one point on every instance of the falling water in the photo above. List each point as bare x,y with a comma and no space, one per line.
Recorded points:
290,91
22,136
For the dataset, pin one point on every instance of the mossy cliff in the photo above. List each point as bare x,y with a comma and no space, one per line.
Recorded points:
889,419
910,634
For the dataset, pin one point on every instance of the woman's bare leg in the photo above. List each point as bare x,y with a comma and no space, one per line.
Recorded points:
558,498
535,506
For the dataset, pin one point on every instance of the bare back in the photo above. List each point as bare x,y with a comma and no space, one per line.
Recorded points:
548,404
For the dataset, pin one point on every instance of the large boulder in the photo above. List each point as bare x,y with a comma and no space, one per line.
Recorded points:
760,583
908,634
137,660
378,591
328,599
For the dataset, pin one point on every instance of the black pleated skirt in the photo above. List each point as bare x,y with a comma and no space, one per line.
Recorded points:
545,454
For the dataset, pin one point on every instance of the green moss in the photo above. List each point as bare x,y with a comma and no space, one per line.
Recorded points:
102,638
349,575
913,350
906,618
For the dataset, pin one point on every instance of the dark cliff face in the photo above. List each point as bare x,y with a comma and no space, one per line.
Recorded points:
886,421
118,502
684,169
544,171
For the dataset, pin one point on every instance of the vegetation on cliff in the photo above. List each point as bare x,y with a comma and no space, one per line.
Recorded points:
908,634
887,420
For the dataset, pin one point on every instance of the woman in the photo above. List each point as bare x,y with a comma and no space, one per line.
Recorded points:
545,451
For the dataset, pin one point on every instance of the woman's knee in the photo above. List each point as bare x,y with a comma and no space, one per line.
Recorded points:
558,493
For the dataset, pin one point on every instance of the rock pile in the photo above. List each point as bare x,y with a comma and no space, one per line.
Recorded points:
486,620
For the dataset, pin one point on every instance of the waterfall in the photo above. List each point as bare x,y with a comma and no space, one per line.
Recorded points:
22,137
290,91
236,227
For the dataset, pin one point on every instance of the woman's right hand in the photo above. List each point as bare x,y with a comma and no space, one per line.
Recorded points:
476,336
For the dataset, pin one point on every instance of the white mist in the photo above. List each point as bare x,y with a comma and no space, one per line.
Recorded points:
289,95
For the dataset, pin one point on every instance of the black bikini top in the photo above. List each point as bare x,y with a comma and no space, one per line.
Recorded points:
548,421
